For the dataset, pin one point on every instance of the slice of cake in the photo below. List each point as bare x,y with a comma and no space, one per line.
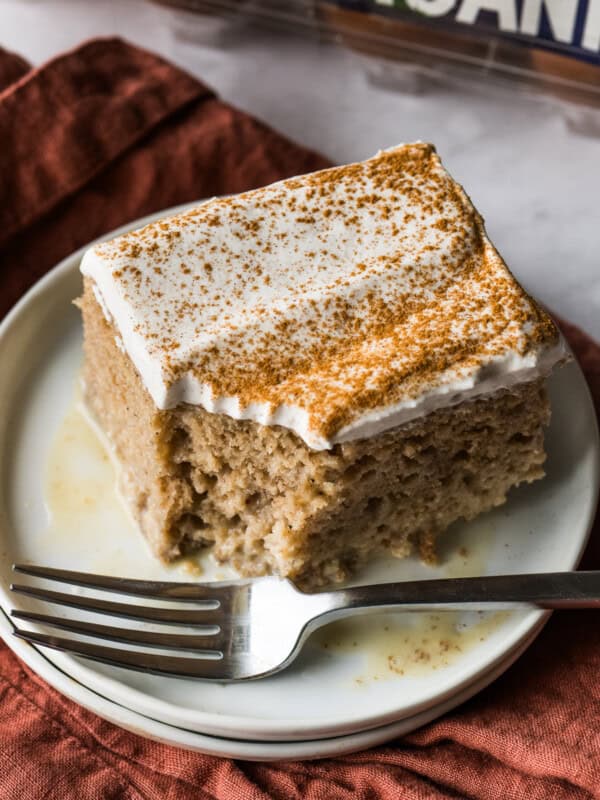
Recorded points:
304,375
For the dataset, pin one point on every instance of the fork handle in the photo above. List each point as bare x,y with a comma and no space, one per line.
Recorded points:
545,590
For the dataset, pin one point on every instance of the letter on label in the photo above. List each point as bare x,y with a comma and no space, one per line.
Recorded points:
561,15
431,8
591,32
505,9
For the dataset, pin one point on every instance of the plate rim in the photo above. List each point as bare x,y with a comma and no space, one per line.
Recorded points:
252,750
254,727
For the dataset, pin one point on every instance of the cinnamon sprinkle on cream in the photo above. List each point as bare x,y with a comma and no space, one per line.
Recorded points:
337,303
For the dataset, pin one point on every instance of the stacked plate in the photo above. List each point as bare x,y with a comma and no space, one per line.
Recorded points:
356,683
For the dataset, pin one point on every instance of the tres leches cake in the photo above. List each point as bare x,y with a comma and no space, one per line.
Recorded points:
307,374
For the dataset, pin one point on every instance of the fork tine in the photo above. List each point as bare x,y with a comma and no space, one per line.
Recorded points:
201,617
172,666
164,590
128,636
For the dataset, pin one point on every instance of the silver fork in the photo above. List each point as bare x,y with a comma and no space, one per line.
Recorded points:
253,628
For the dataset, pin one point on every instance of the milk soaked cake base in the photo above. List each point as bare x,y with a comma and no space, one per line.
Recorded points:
265,502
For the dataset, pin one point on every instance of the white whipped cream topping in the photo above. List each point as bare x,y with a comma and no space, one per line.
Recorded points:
499,373
146,283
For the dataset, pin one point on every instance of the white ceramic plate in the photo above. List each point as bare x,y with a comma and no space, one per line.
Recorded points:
233,748
372,678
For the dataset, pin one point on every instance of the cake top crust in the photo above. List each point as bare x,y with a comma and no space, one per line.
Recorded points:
338,303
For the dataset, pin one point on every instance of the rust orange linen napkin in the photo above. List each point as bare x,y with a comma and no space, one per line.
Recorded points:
105,134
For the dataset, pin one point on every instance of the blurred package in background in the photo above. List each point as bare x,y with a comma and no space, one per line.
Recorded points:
546,47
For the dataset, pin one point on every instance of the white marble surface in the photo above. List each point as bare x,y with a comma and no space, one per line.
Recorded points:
535,181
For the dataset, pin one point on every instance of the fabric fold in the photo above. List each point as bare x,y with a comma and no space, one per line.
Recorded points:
69,119
12,68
